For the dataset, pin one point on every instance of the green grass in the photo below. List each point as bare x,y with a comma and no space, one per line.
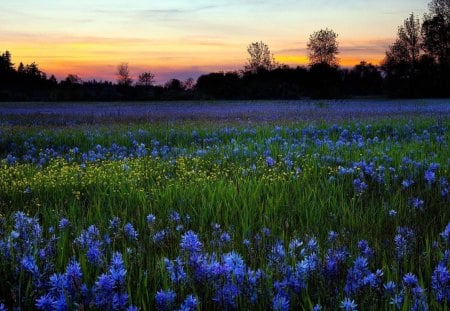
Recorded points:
290,204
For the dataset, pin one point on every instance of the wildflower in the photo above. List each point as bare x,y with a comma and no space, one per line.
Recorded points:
356,275
94,254
175,269
407,183
364,248
348,305
359,186
29,264
114,223
392,213
159,236
430,176
130,232
45,302
270,162
440,282
446,234
225,237
73,276
317,307
174,217
280,303
190,242
165,299
63,223
189,304
416,204
410,280
389,288
151,218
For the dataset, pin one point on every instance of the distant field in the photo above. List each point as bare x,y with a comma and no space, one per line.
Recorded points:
266,205
222,111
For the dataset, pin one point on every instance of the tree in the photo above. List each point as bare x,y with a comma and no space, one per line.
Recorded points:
406,48
436,31
5,62
260,58
123,75
401,64
323,48
73,79
146,79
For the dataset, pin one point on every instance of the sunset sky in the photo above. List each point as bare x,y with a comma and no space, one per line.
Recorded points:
181,39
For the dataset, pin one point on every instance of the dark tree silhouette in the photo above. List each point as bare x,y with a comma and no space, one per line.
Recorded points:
401,62
260,58
436,31
73,79
123,75
323,48
146,79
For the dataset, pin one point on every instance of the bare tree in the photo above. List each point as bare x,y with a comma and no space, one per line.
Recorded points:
323,48
146,79
260,57
123,75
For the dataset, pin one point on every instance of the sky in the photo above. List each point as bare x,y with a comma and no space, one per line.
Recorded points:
182,39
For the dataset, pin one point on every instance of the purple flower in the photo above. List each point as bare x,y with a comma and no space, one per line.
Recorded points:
348,305
63,223
440,282
280,303
151,218
270,161
430,176
45,302
189,304
165,299
130,233
410,280
190,242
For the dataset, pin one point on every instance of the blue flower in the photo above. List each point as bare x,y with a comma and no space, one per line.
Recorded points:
440,282
359,186
189,304
280,303
410,280
29,264
416,204
130,233
165,299
446,234
430,176
63,223
270,161
190,242
389,288
151,218
45,302
348,305
176,271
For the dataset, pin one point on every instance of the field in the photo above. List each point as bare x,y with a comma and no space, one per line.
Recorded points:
278,205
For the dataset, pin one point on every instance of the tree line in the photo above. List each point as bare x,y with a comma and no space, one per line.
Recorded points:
417,64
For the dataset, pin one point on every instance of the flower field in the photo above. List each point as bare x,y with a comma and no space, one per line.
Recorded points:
258,209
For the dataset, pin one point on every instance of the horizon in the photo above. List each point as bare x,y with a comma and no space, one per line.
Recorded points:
178,40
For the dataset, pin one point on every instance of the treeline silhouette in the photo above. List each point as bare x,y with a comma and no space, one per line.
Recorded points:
417,64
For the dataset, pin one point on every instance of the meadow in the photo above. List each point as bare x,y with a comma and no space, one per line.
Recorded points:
225,206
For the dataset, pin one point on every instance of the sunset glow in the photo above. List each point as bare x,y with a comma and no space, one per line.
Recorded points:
175,39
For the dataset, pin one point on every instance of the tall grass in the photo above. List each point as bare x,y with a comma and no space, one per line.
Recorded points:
223,175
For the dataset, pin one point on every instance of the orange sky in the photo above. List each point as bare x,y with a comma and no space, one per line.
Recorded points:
177,39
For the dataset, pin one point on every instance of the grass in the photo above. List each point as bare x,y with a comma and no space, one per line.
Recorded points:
232,185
